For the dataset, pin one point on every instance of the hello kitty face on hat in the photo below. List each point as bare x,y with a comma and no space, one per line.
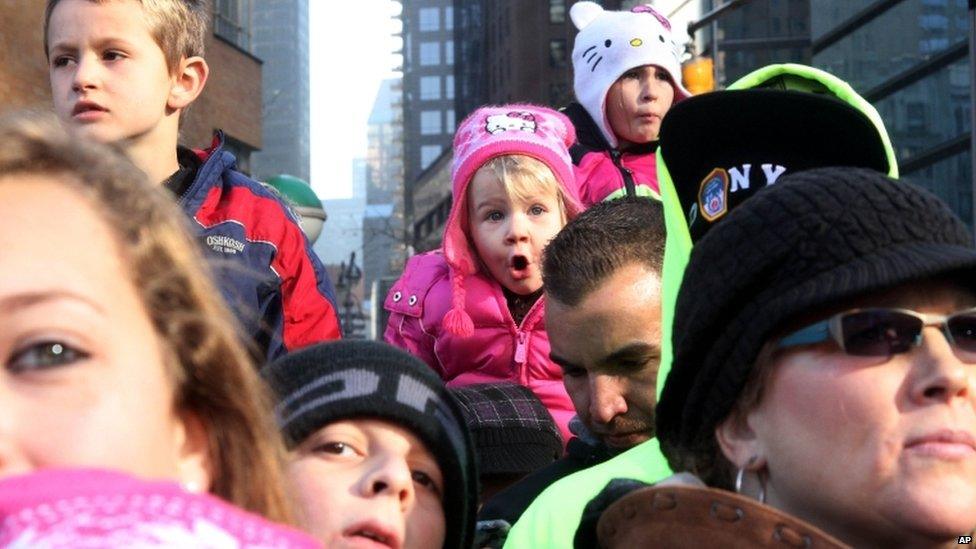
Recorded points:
512,121
610,43
615,35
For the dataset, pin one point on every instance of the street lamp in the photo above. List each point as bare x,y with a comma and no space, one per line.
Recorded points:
304,201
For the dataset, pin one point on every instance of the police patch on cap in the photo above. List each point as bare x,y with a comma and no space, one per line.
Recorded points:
720,148
713,194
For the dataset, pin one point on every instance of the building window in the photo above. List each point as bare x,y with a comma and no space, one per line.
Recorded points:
428,154
449,87
430,53
950,179
908,112
557,53
557,11
449,18
449,52
559,94
430,87
430,19
430,123
449,121
241,151
232,22
915,116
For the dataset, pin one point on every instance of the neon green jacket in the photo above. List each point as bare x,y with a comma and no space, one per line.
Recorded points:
552,519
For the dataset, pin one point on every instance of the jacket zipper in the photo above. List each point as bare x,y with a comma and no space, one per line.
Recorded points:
520,350
522,343
625,172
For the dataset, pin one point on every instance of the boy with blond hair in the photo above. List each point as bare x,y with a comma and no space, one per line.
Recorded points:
123,72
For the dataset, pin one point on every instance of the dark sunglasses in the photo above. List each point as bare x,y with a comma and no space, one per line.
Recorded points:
883,332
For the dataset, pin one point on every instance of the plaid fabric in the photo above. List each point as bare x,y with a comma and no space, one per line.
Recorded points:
496,405
513,432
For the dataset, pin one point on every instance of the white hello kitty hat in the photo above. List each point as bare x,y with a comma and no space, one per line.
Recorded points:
610,43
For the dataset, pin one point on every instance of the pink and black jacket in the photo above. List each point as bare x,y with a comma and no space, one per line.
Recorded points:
264,264
446,308
605,173
498,349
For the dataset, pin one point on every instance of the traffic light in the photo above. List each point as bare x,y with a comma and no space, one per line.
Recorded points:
698,74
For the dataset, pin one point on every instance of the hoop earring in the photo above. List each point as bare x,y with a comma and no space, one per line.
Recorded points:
759,477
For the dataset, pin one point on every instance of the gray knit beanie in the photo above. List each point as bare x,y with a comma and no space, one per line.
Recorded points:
327,382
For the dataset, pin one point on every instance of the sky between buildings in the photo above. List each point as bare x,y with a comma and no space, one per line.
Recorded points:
351,47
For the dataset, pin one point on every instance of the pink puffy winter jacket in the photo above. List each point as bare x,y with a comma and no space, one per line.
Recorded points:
603,172
499,350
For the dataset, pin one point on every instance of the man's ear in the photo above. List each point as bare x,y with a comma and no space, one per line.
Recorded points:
739,442
188,82
194,463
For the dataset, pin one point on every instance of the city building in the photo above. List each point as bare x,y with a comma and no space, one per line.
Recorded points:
280,38
342,233
432,202
340,247
381,238
23,77
229,101
511,51
910,58
384,144
383,248
750,34
428,87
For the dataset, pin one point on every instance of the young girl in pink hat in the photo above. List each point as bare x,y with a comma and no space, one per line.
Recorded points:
473,310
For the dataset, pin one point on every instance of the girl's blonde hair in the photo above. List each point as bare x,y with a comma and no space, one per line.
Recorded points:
524,177
213,374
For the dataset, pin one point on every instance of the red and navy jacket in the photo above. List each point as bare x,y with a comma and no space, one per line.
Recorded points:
263,263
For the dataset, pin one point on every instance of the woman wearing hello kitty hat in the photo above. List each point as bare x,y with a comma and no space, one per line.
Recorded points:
473,310
627,74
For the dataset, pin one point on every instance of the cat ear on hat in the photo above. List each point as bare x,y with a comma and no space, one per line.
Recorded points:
583,13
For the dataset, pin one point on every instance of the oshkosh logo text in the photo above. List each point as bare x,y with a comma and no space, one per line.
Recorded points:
225,244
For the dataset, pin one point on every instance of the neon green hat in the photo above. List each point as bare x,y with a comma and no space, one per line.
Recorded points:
717,149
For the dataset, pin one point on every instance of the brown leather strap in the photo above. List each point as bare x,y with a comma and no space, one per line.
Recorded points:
680,516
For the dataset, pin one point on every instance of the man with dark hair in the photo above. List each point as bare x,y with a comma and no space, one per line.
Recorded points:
602,279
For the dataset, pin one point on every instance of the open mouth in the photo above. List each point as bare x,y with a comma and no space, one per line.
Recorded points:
83,107
373,536
520,262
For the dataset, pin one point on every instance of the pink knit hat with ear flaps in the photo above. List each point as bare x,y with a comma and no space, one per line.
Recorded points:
490,132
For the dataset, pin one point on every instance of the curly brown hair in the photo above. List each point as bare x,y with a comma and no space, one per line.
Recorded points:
213,374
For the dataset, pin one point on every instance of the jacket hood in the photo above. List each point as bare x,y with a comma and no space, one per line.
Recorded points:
803,78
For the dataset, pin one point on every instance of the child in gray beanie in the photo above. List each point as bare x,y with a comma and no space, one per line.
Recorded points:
379,447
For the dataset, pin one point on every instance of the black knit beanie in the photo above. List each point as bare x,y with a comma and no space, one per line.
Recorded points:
812,240
513,432
347,379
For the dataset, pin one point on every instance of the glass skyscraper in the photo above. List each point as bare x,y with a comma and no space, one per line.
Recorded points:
909,58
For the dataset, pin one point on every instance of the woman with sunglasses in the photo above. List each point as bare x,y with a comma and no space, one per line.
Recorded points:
825,359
